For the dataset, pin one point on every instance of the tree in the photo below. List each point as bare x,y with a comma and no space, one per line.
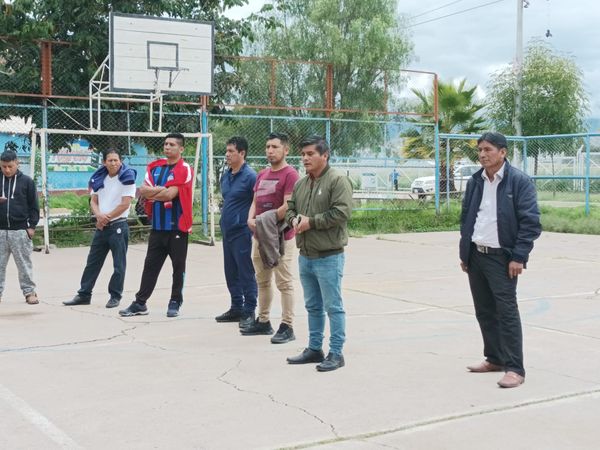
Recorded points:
362,41
82,27
554,100
459,112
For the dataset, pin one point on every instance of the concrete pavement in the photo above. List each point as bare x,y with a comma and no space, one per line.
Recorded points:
82,377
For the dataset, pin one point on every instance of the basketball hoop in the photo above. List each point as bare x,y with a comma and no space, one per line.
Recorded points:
141,47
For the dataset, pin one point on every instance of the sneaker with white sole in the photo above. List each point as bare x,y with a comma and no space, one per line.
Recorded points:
173,309
135,309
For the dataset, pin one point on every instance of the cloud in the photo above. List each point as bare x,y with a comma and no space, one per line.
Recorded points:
477,43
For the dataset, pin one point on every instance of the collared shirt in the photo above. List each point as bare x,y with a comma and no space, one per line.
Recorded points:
486,225
110,196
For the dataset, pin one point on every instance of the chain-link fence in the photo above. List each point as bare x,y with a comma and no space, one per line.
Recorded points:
565,168
369,152
68,158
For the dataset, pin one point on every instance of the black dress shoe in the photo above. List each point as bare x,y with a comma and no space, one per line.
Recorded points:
113,302
307,356
78,300
332,362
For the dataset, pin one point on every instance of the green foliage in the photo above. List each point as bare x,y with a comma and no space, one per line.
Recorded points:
70,200
83,26
403,221
362,41
554,100
459,112
570,220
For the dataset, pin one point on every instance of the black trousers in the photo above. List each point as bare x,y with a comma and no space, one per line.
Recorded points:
161,244
495,300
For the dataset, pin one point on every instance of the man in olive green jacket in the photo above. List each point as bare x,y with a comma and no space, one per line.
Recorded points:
319,210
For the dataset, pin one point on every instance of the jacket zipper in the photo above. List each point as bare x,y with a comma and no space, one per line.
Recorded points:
312,185
8,204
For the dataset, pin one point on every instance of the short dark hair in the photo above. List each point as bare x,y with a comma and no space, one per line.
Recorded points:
177,136
8,156
105,153
240,143
494,138
319,142
285,140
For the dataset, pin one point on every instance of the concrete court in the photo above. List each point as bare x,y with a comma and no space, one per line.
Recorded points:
81,377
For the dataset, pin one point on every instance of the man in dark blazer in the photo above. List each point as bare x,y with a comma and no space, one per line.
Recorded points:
499,222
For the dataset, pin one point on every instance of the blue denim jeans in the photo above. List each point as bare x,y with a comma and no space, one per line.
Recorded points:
321,280
113,237
239,273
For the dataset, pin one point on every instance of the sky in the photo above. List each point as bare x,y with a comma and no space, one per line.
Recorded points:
476,43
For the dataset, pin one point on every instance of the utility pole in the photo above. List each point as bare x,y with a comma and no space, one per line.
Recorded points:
518,68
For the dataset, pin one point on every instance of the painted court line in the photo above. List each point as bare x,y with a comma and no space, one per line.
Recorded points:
38,420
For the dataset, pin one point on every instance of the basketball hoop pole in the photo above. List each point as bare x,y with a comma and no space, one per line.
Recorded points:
157,95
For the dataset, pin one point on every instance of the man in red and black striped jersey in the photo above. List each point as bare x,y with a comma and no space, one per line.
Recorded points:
168,189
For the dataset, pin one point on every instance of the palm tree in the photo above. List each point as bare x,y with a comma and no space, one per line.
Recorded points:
459,112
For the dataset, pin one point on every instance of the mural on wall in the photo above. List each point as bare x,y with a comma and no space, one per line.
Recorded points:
80,156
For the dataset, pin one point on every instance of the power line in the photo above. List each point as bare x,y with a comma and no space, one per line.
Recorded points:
454,13
436,9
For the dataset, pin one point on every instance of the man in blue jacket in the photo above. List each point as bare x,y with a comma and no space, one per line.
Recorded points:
237,185
499,222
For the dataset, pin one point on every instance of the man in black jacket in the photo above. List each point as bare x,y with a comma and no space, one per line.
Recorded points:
499,222
19,214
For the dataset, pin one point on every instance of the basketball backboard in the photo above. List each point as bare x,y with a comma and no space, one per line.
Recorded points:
156,53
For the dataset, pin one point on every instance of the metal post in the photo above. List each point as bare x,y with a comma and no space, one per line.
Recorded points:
196,162
212,190
587,175
518,68
128,129
45,205
436,144
98,122
328,131
205,168
525,155
150,126
448,174
32,154
160,112
91,105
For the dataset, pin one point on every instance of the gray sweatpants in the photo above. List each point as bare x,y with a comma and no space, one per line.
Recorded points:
18,243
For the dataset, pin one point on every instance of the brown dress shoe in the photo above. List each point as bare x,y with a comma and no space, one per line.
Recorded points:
484,366
511,380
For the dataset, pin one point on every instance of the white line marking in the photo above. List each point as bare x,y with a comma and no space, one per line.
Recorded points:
38,420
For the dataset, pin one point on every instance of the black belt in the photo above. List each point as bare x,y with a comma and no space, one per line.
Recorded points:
488,250
120,221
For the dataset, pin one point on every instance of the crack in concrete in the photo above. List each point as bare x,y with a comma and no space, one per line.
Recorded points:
221,378
449,419
67,344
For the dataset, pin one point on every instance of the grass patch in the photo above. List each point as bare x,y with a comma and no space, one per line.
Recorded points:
72,232
404,221
570,220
